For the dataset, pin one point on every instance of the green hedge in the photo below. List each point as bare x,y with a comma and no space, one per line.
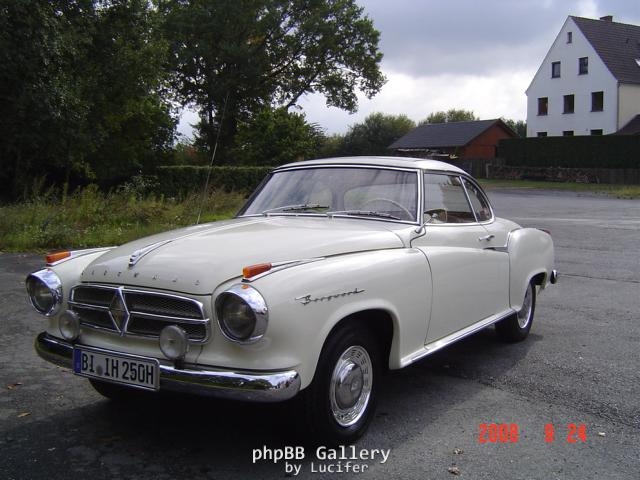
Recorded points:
611,151
184,179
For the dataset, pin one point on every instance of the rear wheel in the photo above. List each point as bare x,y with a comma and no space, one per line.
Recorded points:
517,326
340,402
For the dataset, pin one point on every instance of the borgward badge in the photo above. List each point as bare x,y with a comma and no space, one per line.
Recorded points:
119,312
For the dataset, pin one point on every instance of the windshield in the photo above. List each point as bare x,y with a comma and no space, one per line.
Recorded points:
339,191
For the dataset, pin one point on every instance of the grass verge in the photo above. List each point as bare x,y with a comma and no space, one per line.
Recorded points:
89,218
617,191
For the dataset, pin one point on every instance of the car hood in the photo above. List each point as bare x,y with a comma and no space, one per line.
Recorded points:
197,259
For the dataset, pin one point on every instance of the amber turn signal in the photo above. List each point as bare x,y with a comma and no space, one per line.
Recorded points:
56,256
257,269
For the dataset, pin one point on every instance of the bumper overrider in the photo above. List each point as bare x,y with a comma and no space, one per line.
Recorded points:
229,384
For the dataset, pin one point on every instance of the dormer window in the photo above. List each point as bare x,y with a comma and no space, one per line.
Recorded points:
569,37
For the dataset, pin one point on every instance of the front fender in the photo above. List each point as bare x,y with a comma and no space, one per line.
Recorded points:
307,301
531,253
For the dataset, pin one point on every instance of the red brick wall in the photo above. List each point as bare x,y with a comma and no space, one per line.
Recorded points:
485,145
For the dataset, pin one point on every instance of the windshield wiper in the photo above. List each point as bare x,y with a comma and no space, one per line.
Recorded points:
294,208
363,213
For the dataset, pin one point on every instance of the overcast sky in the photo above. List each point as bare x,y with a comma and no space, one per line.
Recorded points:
477,55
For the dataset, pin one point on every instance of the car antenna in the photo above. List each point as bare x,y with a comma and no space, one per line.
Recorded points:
213,157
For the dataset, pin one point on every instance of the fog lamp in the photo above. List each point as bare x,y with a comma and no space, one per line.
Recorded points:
69,325
174,342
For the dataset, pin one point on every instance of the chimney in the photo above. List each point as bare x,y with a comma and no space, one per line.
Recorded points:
607,18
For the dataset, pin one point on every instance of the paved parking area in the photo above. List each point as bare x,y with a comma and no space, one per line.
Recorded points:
570,391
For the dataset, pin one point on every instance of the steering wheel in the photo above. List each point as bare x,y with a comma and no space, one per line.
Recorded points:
392,202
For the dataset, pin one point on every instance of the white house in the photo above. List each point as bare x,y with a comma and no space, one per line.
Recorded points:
589,81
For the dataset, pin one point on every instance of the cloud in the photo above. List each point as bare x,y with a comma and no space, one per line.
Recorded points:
487,96
475,55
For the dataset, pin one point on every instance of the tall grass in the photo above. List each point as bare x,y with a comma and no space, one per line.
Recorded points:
89,218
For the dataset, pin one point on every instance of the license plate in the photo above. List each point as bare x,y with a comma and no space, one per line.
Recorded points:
120,368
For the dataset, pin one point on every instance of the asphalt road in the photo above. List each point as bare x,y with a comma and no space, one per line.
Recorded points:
577,374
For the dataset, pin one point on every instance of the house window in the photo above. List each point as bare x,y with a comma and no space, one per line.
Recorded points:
555,70
597,101
542,134
597,131
569,101
569,37
543,105
567,133
583,65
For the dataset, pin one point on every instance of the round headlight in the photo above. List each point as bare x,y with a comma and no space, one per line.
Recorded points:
174,342
45,291
69,325
242,314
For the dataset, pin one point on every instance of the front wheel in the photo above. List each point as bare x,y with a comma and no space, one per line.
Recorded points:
517,326
340,402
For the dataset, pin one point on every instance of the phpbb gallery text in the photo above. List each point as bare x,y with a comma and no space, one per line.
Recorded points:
323,460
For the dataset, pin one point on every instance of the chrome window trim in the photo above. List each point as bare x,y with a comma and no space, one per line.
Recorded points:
472,181
464,187
417,171
204,320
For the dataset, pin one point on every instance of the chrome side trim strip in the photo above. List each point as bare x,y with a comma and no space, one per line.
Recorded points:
454,337
251,386
80,253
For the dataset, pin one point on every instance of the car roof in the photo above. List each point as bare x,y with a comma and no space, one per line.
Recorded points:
395,162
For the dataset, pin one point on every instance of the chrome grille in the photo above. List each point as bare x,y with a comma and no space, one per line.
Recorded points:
147,312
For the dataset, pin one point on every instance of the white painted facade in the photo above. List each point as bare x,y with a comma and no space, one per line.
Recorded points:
629,103
620,102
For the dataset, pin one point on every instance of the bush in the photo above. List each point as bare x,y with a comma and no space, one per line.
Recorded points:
180,180
611,151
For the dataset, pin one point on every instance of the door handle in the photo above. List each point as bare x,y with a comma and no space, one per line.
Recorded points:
486,237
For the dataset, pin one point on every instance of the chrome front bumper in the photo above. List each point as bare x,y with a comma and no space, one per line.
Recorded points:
235,385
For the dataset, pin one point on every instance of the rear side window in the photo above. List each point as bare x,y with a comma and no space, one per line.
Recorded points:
445,199
479,202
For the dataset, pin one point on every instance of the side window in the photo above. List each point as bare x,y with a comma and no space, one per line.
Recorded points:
445,200
479,202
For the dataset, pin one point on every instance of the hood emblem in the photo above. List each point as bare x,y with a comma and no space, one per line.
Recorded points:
119,311
141,252
307,299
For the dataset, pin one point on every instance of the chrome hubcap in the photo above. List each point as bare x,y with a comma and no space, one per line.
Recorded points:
524,315
350,386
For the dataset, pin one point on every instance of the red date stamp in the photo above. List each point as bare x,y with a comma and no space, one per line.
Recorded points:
498,433
574,433
510,433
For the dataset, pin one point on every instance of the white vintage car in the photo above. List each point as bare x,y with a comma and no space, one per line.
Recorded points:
333,271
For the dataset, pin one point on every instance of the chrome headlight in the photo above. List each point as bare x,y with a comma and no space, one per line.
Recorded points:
45,291
242,313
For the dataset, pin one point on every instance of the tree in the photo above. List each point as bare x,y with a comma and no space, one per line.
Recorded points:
518,126
129,117
80,90
452,115
275,137
233,58
375,134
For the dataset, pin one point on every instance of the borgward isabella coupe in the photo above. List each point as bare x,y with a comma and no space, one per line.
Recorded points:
333,271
